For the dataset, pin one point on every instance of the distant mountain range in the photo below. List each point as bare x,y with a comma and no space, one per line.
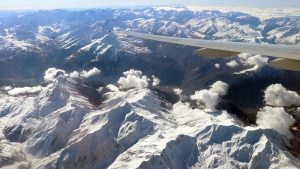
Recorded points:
31,42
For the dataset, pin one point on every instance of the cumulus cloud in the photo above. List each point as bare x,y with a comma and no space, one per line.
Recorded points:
232,64
24,90
133,72
275,118
177,91
85,74
156,81
112,88
210,97
100,89
220,88
217,65
90,73
6,88
244,56
74,74
277,95
133,78
257,61
52,73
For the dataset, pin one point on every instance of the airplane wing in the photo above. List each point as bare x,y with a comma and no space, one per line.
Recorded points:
289,55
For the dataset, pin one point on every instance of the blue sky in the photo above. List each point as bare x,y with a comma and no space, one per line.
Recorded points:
51,4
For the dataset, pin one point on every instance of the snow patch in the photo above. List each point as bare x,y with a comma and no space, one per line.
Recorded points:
94,42
105,49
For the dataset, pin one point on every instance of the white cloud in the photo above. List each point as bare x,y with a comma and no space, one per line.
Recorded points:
277,95
100,89
133,72
257,61
177,91
217,65
133,78
90,73
220,88
6,88
112,88
210,97
25,90
244,56
52,73
74,74
275,118
85,74
156,81
232,64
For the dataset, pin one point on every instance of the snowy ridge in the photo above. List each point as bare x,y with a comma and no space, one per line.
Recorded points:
58,128
88,31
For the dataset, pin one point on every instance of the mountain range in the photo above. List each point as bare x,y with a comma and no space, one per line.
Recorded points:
64,101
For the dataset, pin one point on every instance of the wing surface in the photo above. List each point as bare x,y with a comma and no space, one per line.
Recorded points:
282,51
289,54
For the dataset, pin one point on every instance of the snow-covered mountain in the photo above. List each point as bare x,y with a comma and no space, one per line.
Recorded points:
33,41
87,30
179,111
59,128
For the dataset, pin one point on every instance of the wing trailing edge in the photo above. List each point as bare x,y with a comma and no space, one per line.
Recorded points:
215,53
287,64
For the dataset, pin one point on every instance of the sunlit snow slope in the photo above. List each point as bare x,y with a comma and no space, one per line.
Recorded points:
59,128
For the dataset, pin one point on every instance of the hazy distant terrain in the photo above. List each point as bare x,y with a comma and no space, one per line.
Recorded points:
68,99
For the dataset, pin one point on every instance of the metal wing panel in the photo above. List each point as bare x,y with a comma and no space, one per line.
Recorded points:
287,64
283,51
215,53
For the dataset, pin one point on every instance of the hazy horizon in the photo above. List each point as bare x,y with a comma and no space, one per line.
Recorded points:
76,4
